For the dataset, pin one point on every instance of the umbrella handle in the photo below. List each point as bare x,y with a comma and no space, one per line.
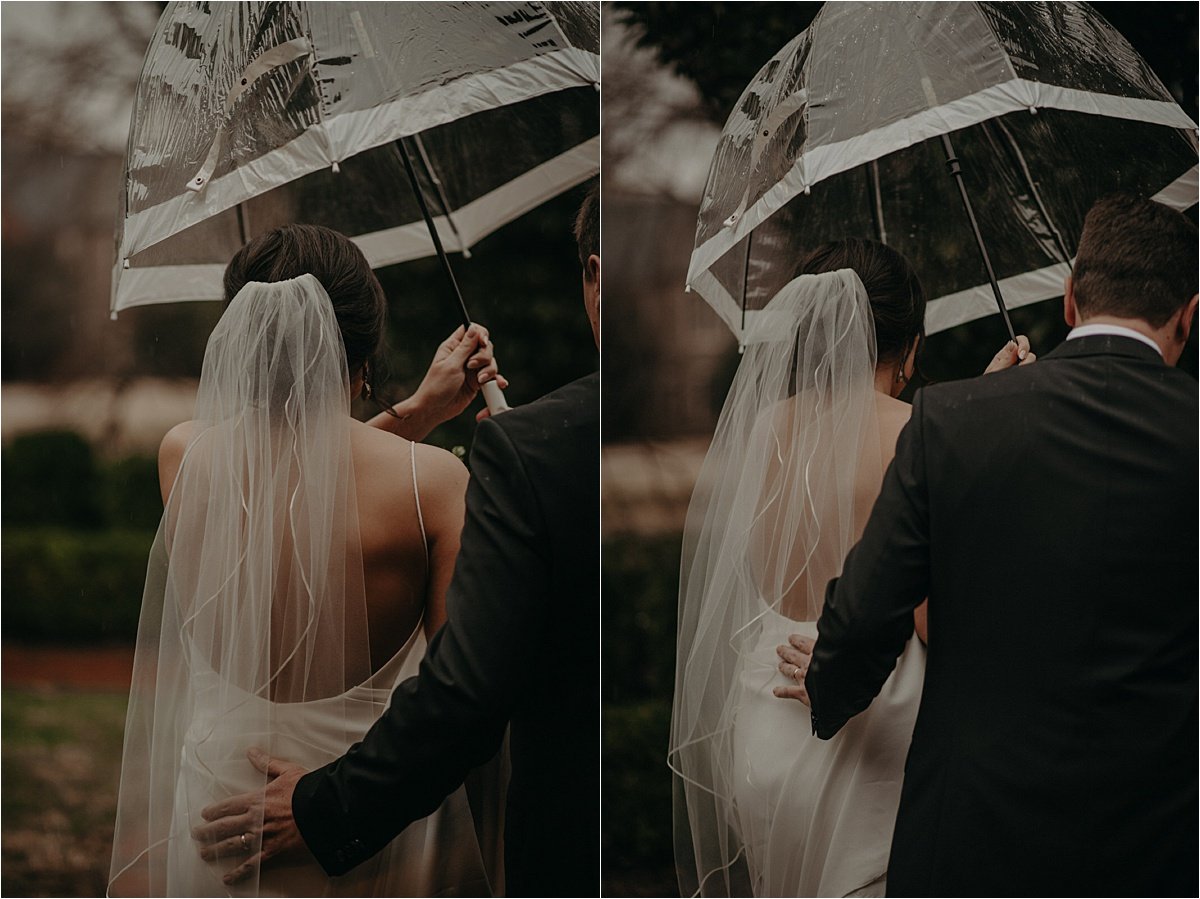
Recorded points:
495,398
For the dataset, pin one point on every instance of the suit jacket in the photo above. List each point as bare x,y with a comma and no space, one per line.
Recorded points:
1049,514
521,645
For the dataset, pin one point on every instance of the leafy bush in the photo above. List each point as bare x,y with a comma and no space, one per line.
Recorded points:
640,586
51,478
636,800
66,586
129,493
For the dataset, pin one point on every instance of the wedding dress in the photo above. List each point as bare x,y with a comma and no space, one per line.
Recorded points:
763,807
254,620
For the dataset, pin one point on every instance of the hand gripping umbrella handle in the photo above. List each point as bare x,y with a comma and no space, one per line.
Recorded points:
491,390
495,398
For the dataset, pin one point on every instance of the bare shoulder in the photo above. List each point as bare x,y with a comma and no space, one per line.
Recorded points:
893,415
176,440
440,469
383,454
170,454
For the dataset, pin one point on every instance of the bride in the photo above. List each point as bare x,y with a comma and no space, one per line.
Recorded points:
299,570
763,807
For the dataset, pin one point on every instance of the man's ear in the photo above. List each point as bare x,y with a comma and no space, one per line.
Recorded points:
591,294
1187,318
1070,311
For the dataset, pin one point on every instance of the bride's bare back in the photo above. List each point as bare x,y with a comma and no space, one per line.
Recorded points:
404,586
803,567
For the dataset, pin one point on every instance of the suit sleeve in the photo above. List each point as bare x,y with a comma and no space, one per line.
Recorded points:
867,617
452,716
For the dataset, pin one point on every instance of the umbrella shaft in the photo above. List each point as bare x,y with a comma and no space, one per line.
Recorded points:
956,171
433,233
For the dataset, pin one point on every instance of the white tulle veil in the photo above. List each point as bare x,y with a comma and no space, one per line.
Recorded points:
254,593
770,522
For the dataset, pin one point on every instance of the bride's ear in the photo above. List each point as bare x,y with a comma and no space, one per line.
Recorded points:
910,357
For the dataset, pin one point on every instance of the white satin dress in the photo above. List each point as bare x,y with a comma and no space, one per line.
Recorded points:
816,816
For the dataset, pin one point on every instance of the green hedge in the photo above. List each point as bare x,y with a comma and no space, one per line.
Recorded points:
640,590
52,478
636,794
640,583
63,586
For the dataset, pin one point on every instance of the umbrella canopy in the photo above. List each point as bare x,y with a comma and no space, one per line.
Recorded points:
840,135
249,116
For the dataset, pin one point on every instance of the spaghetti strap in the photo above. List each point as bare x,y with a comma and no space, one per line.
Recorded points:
412,449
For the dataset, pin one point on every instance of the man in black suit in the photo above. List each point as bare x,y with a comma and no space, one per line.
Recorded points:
521,647
1049,514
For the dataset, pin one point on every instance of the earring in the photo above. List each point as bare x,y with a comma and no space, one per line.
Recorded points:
901,378
366,376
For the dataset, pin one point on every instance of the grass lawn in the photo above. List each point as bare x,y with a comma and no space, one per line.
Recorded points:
61,761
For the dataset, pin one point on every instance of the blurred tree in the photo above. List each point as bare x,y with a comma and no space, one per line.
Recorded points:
718,46
69,70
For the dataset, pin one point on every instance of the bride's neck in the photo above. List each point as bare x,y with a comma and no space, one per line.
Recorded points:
886,380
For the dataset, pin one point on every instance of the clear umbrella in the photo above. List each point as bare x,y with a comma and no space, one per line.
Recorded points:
848,130
253,115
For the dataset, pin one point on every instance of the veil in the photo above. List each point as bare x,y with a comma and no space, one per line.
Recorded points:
773,514
254,595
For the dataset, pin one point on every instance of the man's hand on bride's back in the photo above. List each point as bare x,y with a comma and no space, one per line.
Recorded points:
1012,354
794,659
253,827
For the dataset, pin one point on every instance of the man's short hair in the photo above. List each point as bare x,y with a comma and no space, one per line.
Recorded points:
587,223
1136,259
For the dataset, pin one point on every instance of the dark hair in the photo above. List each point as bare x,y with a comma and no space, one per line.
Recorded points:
897,298
334,260
587,224
1136,259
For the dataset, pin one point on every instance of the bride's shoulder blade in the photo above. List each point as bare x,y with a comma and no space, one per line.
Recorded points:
170,455
383,466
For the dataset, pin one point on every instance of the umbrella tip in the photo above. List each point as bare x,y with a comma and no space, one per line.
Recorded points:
336,168
687,288
466,253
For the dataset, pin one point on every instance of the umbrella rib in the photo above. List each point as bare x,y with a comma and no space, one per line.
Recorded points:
427,164
956,172
880,230
433,232
745,287
1037,196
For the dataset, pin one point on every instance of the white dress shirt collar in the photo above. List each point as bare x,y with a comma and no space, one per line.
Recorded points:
1116,331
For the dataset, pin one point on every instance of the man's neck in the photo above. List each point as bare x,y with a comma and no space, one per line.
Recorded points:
1158,335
